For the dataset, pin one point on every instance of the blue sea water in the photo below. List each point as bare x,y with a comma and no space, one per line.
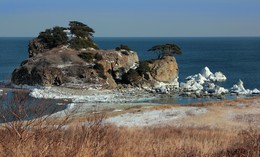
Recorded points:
237,57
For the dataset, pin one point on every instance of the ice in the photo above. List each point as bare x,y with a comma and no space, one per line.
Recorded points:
89,96
220,77
255,91
191,85
240,89
206,72
204,82
163,88
54,93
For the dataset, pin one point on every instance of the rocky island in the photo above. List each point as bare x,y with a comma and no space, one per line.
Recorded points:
68,57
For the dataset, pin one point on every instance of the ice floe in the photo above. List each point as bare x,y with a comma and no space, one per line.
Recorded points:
240,89
208,75
203,83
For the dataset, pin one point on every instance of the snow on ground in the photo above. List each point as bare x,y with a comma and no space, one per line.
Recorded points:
156,117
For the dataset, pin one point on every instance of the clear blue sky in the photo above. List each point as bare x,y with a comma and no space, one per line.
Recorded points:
134,18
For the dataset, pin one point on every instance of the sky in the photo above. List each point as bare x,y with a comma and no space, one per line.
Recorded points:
133,18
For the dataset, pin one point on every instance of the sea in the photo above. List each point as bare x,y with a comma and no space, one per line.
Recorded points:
236,57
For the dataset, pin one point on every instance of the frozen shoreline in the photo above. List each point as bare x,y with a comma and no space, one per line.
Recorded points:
92,96
198,85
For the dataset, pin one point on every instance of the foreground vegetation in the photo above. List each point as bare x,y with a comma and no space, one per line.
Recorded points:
94,138
67,136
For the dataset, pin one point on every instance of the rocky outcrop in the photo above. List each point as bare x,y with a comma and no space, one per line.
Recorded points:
159,75
72,68
165,69
36,47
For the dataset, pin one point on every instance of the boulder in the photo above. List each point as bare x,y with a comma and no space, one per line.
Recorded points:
164,70
160,75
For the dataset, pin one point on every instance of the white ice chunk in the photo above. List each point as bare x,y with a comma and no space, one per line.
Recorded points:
220,77
220,90
161,87
255,91
239,88
206,72
191,85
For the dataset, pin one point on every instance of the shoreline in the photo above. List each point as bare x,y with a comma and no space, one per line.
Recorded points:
126,108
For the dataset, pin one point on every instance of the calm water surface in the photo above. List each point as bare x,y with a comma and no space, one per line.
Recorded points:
237,58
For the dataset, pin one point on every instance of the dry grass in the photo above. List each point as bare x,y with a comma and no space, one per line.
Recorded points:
46,136
95,138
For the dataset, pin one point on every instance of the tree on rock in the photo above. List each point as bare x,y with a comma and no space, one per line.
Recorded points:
81,30
166,50
53,37
83,34
76,36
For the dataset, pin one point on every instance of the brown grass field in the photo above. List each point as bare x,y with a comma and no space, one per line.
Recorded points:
48,137
97,139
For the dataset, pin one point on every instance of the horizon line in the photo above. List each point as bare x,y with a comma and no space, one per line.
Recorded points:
145,36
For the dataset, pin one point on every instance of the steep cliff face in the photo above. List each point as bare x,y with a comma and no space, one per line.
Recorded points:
68,67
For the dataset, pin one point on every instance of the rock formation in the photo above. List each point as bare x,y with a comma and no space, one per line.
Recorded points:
72,68
160,75
69,57
36,47
165,69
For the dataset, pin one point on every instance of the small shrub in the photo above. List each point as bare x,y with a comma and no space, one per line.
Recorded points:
130,77
117,48
143,67
123,47
87,56
125,52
